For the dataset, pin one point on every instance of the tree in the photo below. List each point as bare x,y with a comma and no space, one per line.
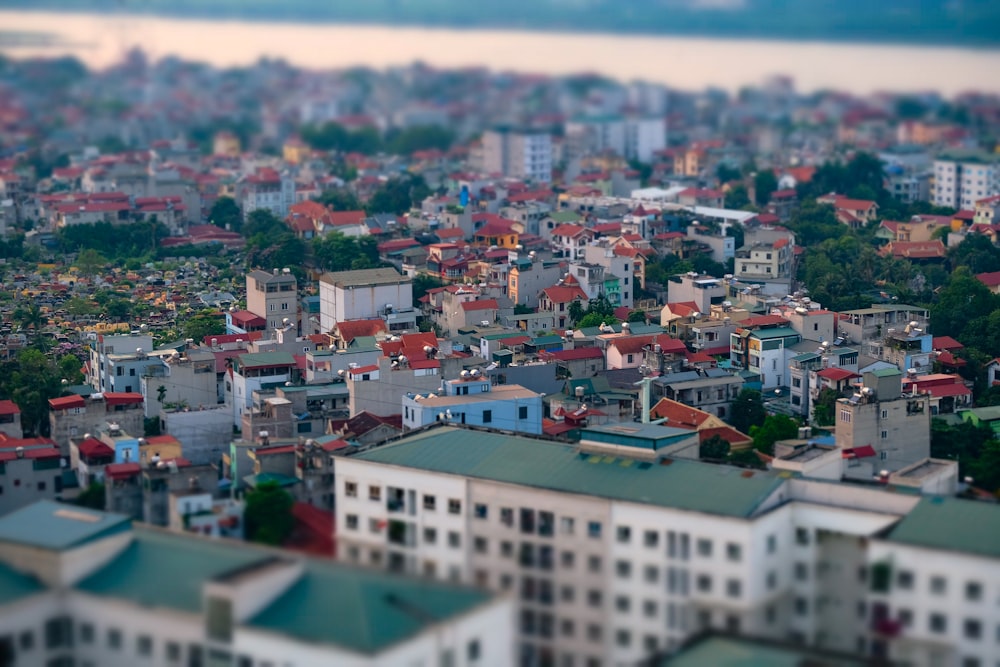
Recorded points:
203,324
89,262
716,448
774,428
70,369
161,393
726,174
596,320
422,283
636,316
418,138
747,410
764,185
398,195
268,514
824,407
340,199
92,497
737,197
575,311
226,213
30,317
523,309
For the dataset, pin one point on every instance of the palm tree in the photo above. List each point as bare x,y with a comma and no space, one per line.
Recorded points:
30,317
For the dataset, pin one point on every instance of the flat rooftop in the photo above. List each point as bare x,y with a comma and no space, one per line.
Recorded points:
57,527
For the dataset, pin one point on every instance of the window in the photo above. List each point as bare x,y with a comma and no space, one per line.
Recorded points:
704,548
352,521
430,502
594,529
594,633
567,525
430,535
527,520
973,591
507,516
734,552
173,651
473,650
114,639
144,645
704,583
772,580
801,571
904,579
801,606
566,627
487,416
623,638
454,506
734,588
546,524
905,617
374,526
624,534
938,623
802,536
938,585
522,412
772,544
374,493
594,563
972,628
651,574
86,633
566,559
623,569
651,538
506,549
481,511
594,598
454,539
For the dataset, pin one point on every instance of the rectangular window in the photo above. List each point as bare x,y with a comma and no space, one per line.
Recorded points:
734,552
704,583
651,538
454,506
594,529
546,524
454,539
704,548
734,588
904,579
623,568
527,520
114,639
522,412
973,591
938,585
624,534
507,516
430,502
481,511
374,493
144,646
487,416
938,623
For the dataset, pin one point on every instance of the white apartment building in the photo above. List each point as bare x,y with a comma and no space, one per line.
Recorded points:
367,294
268,190
962,179
616,552
523,154
630,137
87,588
117,363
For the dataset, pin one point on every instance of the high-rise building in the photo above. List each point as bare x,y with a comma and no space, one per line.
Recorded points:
961,179
525,154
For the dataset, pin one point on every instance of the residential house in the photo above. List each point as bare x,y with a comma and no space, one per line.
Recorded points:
991,280
679,415
711,390
472,399
10,419
273,297
854,213
30,470
570,241
75,416
556,300
577,362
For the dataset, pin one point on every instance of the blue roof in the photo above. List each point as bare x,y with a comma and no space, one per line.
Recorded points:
15,586
57,527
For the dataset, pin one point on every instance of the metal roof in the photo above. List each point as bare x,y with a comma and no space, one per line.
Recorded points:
15,585
262,359
677,483
57,527
951,524
737,652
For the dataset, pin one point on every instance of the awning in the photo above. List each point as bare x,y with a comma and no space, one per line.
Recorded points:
859,452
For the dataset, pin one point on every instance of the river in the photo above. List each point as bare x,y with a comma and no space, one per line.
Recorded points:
686,63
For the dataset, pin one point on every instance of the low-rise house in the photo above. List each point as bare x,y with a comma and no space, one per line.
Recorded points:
10,419
710,390
30,470
472,399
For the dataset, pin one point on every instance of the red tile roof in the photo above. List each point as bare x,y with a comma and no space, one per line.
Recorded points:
67,402
122,470
351,329
762,321
991,279
94,447
945,343
480,304
836,374
634,344
564,293
8,407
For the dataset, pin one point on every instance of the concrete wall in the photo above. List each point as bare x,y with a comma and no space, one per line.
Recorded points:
204,434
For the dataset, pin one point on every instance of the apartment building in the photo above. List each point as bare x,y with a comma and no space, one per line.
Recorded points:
770,264
117,363
266,189
615,551
30,470
74,416
703,290
867,324
886,429
273,297
366,294
962,178
524,154
634,138
90,588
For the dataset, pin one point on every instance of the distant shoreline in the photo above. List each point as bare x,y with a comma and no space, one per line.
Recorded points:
688,25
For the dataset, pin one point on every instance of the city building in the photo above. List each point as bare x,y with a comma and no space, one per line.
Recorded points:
616,552
703,290
963,178
472,399
90,588
10,419
525,154
118,362
266,189
273,297
75,416
884,428
30,470
366,294
633,138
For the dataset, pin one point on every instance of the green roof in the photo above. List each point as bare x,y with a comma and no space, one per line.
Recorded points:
55,526
777,332
546,340
733,652
951,524
362,610
886,372
806,356
14,585
564,216
543,464
276,477
987,414
163,570
260,359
